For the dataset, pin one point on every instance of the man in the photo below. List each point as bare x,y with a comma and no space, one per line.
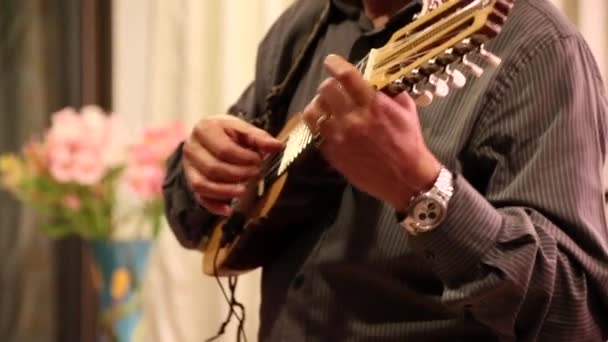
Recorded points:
515,157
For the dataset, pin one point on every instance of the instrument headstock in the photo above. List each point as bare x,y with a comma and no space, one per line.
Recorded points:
422,58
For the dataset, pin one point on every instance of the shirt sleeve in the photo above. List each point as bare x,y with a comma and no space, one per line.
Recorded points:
524,251
189,221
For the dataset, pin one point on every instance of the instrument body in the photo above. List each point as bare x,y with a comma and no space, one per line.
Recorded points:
232,258
422,58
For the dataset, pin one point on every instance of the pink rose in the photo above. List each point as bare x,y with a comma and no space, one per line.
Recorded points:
66,125
145,172
59,161
95,126
75,163
88,167
146,181
164,139
145,154
80,147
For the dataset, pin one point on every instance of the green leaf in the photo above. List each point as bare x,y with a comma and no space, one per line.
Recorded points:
55,230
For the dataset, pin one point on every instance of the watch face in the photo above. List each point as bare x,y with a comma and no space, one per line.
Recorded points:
428,212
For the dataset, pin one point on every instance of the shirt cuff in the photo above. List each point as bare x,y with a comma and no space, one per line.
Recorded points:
457,246
189,221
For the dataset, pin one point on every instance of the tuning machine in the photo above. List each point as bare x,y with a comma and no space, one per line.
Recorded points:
473,68
489,57
406,83
462,50
455,78
398,86
424,86
423,97
438,86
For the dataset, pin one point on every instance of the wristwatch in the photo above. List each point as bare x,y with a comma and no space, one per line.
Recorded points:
428,209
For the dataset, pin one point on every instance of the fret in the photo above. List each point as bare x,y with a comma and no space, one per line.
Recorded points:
297,142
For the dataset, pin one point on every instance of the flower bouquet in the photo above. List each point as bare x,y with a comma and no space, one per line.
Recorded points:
72,178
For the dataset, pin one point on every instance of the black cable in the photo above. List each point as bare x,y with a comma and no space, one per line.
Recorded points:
232,303
232,282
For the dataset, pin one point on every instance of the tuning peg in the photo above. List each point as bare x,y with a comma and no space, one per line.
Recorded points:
464,47
504,6
448,57
489,57
473,68
423,98
455,78
430,68
414,77
398,86
440,87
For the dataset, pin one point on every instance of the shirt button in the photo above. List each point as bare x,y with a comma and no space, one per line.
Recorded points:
429,255
298,281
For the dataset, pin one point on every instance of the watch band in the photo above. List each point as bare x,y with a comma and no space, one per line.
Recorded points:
428,210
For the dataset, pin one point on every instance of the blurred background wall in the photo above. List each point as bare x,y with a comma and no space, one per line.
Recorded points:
170,59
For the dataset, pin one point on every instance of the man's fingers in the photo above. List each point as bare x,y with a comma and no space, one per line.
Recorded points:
215,169
394,108
262,142
320,121
212,190
215,207
313,113
225,148
359,90
253,137
405,100
333,97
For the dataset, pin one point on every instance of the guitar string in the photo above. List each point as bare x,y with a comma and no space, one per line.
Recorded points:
277,158
432,30
386,64
275,162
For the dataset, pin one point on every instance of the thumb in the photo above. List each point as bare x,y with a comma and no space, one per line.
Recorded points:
263,141
256,138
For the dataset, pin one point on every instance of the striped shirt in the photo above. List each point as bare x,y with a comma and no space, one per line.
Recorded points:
523,252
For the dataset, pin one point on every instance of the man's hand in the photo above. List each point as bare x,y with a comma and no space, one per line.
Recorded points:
373,140
221,154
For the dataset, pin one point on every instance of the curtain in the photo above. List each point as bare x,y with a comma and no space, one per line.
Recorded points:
183,59
26,283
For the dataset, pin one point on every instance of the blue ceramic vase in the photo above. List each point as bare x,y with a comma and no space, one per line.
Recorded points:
118,271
